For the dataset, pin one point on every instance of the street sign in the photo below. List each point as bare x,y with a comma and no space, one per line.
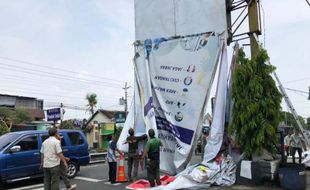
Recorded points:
120,117
53,114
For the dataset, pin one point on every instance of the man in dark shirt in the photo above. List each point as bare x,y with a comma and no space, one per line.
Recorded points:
133,153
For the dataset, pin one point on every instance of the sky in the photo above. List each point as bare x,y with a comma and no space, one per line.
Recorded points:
59,50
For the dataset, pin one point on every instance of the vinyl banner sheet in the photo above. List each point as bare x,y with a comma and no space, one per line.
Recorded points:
180,74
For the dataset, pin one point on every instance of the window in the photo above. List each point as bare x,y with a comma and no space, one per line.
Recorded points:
75,138
7,139
28,143
63,143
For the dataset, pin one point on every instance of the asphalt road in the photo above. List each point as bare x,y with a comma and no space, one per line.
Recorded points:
95,176
90,177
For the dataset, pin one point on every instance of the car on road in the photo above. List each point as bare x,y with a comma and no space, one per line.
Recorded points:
20,155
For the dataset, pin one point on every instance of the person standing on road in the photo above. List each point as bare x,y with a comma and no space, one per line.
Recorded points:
63,170
133,153
296,144
152,150
112,159
51,154
287,142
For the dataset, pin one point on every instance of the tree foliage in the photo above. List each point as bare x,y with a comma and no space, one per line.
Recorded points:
68,124
3,128
289,120
17,116
256,109
308,123
92,102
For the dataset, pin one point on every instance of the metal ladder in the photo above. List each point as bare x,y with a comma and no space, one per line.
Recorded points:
292,109
288,101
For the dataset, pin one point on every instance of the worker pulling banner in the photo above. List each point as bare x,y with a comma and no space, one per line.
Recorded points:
174,80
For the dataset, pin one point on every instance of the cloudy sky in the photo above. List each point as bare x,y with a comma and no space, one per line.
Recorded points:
60,50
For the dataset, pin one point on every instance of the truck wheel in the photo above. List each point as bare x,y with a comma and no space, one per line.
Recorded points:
72,169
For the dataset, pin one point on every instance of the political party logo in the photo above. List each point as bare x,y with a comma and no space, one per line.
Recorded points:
191,68
178,117
180,105
188,81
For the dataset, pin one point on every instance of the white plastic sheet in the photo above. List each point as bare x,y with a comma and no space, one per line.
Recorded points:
306,160
204,176
217,128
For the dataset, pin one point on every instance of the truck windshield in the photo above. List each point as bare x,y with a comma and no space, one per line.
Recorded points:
7,139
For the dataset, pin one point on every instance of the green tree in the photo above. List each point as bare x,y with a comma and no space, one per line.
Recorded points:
68,124
3,128
289,120
17,116
308,123
92,102
257,105
22,116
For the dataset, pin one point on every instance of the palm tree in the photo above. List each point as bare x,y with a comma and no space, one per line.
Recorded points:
92,101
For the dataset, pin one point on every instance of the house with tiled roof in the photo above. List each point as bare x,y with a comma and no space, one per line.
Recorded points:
102,124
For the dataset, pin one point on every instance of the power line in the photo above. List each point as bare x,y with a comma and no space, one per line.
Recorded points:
48,94
18,80
34,90
59,78
297,80
34,86
295,90
53,75
58,69
308,2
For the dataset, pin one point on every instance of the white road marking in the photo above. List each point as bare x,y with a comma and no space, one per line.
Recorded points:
109,183
91,166
29,187
88,179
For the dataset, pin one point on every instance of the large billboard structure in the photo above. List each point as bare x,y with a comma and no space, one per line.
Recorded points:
177,50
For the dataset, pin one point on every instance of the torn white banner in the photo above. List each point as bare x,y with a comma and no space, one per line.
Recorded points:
217,127
180,73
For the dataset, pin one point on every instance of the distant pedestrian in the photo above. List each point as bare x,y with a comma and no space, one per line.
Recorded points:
287,142
133,153
296,144
63,170
51,154
112,161
152,151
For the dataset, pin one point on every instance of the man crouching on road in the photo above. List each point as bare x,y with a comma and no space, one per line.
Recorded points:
51,154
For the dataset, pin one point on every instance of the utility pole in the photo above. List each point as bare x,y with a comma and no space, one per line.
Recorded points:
62,112
126,96
254,26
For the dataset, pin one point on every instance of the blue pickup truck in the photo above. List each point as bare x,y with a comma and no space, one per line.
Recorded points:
20,155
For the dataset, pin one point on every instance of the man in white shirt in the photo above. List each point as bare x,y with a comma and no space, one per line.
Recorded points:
287,142
51,154
296,144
